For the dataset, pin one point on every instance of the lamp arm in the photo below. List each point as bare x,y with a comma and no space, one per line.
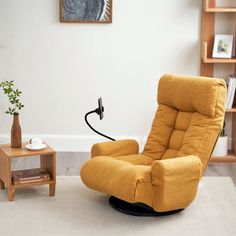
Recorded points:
86,120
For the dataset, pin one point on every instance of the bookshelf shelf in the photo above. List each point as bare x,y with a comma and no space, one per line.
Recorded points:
207,59
223,159
219,60
209,6
228,158
209,11
232,110
221,10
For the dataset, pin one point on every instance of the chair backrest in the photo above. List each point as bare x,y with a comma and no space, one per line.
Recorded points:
188,119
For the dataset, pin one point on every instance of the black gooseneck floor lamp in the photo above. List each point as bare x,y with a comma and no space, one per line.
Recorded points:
99,111
136,209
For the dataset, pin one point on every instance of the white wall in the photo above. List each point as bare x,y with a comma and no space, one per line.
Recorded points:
63,68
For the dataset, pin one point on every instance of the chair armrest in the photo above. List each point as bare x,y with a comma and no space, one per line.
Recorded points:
115,148
175,182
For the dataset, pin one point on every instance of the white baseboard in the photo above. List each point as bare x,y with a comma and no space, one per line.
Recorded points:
72,143
78,143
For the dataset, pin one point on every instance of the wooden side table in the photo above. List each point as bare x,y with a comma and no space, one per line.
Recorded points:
47,161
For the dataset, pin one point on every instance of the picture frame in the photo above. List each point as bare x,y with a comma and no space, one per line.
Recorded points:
223,46
86,11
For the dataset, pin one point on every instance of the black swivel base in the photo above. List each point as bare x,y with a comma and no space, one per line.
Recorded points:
137,209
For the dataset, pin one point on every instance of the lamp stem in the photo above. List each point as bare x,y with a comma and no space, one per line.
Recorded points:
86,120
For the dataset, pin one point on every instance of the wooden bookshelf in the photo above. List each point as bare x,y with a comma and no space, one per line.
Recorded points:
209,12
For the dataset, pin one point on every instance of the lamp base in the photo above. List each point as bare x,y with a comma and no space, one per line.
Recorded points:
137,209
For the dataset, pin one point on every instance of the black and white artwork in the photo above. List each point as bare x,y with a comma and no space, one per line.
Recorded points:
86,11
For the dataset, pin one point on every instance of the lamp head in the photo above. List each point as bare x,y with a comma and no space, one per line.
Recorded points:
100,109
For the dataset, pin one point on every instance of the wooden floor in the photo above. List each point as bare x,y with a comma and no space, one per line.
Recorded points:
222,169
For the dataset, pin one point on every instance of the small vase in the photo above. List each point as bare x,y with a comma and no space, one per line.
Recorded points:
16,132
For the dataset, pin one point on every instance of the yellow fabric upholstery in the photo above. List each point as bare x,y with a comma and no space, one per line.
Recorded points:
122,178
189,117
166,174
175,182
116,148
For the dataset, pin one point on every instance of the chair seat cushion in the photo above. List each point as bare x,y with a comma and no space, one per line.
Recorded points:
126,177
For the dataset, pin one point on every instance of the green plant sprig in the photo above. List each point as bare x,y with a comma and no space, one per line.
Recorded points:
13,96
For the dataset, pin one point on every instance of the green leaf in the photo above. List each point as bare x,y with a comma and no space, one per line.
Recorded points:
13,96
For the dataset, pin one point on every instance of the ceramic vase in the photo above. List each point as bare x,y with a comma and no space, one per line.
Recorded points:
16,132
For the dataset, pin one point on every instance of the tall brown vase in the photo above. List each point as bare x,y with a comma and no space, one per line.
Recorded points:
16,132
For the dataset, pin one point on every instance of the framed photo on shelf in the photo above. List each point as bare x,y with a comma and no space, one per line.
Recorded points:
223,46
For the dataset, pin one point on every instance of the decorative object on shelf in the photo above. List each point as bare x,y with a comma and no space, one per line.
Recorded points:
16,132
86,11
223,46
221,147
35,144
16,105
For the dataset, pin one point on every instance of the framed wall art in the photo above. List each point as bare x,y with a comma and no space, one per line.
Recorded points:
223,45
86,11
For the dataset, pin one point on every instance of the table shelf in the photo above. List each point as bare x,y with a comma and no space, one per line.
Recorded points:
35,183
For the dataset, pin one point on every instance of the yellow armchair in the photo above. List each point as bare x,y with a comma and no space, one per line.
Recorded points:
164,178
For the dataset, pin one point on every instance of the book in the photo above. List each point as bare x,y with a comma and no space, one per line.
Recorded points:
232,94
30,176
230,91
31,181
229,88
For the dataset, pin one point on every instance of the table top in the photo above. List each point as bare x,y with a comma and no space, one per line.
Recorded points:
23,152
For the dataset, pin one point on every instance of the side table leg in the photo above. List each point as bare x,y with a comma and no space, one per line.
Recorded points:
11,194
2,185
52,189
